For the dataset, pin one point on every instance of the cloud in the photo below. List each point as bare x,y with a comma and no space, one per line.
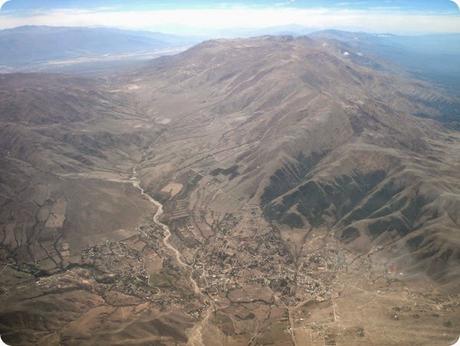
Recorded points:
211,21
205,21
285,3
456,2
3,2
438,6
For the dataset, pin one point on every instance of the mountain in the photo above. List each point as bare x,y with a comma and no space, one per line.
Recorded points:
272,190
38,46
430,57
316,138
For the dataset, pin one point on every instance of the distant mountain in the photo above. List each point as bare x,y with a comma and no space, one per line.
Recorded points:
35,45
294,30
431,57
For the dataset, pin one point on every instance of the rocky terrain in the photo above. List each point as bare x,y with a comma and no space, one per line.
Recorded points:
265,191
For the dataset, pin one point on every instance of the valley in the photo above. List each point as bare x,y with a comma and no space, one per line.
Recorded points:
261,191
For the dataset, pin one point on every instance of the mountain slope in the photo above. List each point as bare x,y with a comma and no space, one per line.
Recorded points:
430,57
318,137
301,193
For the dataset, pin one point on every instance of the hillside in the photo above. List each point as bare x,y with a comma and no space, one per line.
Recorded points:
318,138
431,57
272,190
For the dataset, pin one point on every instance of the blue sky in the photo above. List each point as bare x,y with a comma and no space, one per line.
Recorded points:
209,17
440,6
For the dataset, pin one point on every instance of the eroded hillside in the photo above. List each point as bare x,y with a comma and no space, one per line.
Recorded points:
302,188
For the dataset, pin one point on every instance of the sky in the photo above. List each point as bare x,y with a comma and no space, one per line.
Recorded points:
207,17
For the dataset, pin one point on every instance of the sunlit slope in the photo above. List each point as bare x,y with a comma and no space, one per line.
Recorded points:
317,135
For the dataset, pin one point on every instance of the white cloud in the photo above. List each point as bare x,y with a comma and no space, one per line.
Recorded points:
3,2
213,20
456,2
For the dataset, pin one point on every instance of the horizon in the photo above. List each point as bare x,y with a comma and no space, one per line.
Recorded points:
222,19
288,30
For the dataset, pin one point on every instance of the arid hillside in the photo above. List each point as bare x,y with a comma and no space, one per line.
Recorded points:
293,188
315,136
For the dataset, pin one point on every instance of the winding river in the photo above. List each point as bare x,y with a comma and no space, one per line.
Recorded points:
166,240
196,335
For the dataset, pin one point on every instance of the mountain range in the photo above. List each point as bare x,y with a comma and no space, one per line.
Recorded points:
276,190
33,48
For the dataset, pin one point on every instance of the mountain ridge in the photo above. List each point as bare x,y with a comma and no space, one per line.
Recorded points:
373,113
300,186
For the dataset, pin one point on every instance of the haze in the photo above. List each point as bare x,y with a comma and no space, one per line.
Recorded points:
210,17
